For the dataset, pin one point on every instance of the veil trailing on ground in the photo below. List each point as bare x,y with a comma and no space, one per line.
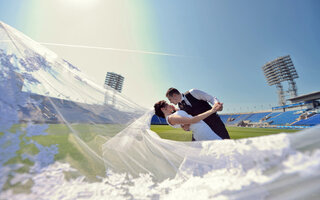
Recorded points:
63,136
45,98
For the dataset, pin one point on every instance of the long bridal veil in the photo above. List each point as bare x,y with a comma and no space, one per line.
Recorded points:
64,137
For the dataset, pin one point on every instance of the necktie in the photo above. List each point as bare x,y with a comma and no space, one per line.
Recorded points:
182,104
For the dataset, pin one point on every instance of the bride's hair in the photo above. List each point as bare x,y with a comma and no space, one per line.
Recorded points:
157,108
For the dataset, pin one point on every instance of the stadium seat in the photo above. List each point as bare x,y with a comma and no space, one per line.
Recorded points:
284,118
158,120
312,121
256,117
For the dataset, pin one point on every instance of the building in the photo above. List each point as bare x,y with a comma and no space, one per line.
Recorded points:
114,80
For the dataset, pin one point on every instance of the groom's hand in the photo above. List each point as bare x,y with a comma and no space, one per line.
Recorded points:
216,107
185,127
221,107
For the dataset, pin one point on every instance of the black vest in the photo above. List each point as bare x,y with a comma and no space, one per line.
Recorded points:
198,106
201,106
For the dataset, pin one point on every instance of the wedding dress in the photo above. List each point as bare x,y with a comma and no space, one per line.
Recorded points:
200,130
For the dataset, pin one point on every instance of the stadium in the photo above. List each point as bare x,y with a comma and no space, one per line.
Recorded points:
300,112
60,138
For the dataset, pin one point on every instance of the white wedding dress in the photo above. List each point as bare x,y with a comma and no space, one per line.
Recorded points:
200,130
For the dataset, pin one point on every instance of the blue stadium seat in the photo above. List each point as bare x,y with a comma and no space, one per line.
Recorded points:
231,117
239,118
273,114
256,117
284,118
158,120
276,118
312,121
224,118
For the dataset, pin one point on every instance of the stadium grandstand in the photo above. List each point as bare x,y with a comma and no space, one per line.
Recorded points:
304,112
41,110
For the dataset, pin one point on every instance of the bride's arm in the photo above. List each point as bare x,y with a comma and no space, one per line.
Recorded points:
176,119
185,127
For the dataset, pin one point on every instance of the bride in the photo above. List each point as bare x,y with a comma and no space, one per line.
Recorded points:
176,118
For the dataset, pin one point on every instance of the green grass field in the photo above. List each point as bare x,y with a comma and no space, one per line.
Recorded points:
72,150
167,132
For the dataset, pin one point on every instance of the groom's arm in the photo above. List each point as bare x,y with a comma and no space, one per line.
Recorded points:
201,95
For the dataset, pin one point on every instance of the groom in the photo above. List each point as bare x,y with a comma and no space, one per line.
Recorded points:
195,102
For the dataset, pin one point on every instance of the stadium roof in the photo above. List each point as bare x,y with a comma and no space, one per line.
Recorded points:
306,97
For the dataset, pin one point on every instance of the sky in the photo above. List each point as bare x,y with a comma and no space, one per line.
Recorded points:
215,46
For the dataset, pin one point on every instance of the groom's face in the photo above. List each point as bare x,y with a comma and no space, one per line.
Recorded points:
175,98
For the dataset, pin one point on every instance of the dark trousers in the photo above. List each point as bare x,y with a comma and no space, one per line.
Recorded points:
216,124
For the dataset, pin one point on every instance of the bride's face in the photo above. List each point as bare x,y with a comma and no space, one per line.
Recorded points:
168,109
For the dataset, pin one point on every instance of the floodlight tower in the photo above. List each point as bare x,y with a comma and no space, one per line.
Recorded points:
114,81
280,70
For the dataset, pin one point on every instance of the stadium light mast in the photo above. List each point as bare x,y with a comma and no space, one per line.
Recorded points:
281,70
114,81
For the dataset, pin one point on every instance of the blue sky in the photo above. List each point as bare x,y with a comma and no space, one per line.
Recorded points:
224,43
232,40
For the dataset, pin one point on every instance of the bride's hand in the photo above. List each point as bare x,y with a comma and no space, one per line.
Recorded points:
220,107
216,107
185,127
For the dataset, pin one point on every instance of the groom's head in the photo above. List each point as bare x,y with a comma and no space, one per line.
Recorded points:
173,96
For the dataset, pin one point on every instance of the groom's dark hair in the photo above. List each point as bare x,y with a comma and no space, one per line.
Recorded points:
157,108
172,91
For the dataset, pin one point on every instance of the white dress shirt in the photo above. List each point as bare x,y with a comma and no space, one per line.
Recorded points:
200,95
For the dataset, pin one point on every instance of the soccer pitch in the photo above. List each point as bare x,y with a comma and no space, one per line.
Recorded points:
71,151
167,132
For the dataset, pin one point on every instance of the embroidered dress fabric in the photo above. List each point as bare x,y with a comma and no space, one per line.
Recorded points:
64,137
